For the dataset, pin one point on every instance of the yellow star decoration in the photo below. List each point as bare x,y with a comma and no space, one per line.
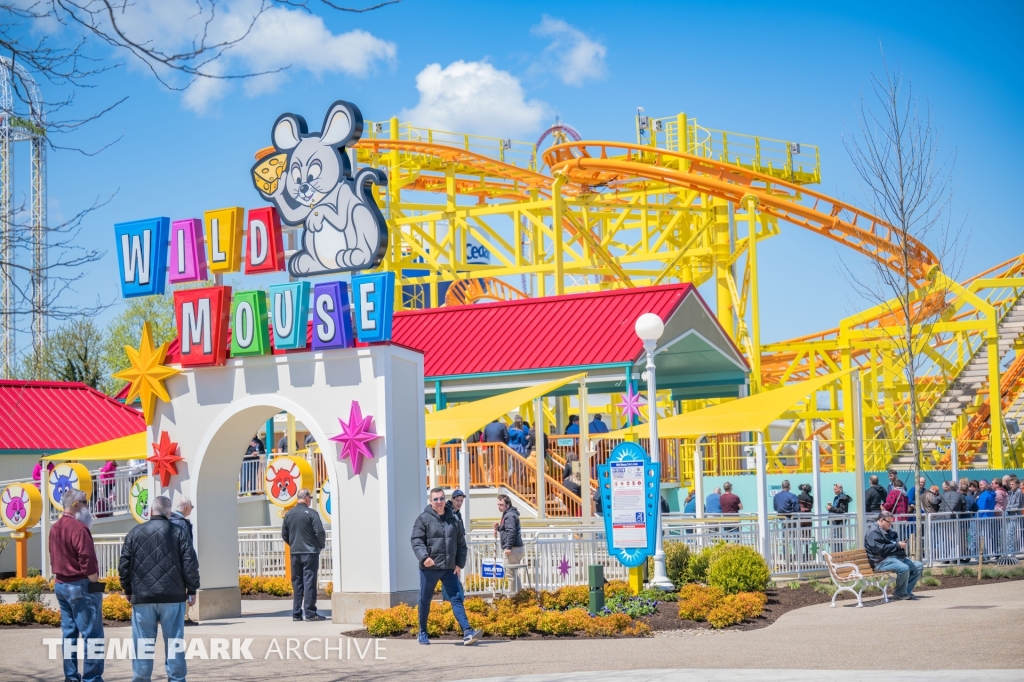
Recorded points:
147,374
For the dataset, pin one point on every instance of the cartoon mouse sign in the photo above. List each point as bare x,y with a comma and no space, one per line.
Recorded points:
343,229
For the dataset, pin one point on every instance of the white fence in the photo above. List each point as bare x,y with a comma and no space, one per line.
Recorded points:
260,553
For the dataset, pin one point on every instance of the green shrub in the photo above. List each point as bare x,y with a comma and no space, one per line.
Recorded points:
697,567
655,594
739,569
677,558
929,581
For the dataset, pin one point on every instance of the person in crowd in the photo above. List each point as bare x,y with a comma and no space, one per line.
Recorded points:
952,501
970,496
179,517
475,437
1015,497
690,503
510,535
840,503
569,460
598,425
893,477
308,440
255,448
896,501
786,503
887,553
496,432
107,489
805,499
37,471
454,505
874,496
597,502
665,508
303,532
79,594
986,500
439,543
282,444
1001,496
729,502
517,435
531,448
574,482
574,425
160,575
931,500
713,502
915,494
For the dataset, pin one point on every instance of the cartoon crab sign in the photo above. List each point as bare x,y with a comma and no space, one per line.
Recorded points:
286,476
66,476
20,506
138,499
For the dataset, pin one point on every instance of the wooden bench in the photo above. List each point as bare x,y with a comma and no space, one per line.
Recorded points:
851,572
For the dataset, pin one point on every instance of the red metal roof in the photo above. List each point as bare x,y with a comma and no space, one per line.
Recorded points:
557,331
56,416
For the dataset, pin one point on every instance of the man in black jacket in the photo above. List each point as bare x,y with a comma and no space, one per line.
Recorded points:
454,505
511,536
159,574
303,532
874,496
887,554
439,543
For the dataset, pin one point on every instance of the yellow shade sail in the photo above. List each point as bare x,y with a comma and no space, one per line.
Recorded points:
465,420
128,447
755,413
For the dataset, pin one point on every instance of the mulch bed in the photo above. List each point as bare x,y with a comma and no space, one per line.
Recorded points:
780,600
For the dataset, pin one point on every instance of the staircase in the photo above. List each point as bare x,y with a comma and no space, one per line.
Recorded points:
937,425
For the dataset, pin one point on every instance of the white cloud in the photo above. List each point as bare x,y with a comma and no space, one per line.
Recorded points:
281,37
571,54
474,97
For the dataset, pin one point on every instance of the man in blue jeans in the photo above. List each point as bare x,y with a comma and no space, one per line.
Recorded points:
439,543
887,554
159,573
75,571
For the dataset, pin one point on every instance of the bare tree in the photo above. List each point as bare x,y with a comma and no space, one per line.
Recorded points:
44,69
910,184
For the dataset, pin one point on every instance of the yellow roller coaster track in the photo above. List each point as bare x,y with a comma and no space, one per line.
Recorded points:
826,216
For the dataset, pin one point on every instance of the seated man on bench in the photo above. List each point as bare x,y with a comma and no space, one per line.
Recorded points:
887,553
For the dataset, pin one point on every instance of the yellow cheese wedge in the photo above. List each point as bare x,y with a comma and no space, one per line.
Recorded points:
269,172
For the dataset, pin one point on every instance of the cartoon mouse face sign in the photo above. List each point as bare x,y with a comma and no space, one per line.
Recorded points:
310,182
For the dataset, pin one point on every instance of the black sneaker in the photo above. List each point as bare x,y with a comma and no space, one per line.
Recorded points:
315,616
297,618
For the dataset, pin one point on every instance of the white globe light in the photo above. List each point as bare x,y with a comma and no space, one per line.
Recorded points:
649,327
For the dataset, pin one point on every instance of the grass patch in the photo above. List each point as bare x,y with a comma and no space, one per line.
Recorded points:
793,585
929,581
951,571
823,588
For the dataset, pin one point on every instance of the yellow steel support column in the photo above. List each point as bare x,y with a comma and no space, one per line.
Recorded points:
751,204
721,250
557,219
995,443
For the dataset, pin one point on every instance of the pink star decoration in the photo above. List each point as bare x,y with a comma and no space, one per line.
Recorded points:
631,404
563,567
354,436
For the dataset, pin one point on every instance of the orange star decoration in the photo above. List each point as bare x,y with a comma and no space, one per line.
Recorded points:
147,374
165,459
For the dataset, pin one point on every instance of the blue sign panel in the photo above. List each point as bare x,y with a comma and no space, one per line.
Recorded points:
289,313
492,569
630,493
142,255
375,306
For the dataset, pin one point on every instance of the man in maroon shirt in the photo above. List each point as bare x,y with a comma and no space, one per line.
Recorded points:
80,595
730,503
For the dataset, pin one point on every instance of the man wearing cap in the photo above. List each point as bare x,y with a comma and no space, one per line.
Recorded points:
454,504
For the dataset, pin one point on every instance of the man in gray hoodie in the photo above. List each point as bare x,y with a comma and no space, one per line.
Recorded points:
510,533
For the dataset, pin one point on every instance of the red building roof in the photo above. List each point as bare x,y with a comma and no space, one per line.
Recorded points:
558,331
53,416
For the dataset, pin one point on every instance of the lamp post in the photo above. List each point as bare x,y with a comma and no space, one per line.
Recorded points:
649,328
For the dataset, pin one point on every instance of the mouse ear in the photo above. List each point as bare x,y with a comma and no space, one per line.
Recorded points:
343,124
288,130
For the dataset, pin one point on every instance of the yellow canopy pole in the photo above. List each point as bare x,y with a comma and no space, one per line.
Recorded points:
464,420
128,447
755,413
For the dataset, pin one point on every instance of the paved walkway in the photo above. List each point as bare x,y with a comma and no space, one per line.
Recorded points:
901,636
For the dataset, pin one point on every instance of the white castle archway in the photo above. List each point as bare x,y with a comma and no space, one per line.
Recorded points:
215,410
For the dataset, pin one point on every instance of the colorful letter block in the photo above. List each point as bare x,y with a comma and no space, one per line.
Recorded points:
332,319
224,238
249,333
375,306
265,252
202,316
289,306
187,259
142,256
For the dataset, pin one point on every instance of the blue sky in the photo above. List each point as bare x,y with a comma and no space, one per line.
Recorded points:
784,70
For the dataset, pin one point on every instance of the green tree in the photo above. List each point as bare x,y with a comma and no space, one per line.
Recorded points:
72,353
126,330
